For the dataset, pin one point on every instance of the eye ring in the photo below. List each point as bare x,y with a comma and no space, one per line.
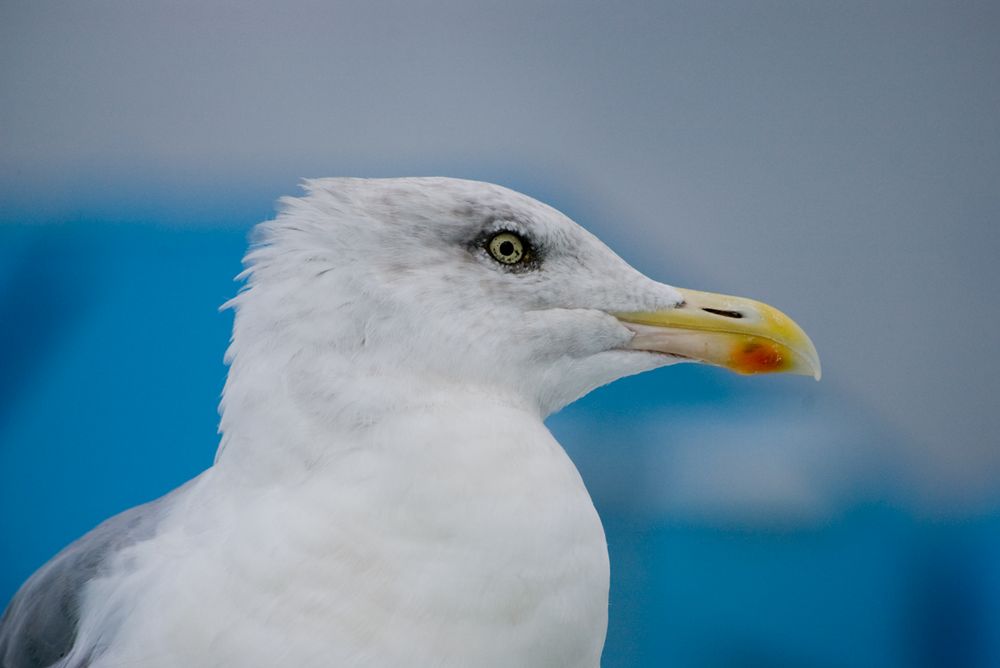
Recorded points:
506,248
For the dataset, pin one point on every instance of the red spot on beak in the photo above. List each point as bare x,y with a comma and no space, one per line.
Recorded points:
757,357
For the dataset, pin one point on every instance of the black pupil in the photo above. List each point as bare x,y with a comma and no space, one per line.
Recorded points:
506,248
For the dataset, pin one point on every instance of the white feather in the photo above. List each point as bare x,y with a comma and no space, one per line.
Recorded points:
385,492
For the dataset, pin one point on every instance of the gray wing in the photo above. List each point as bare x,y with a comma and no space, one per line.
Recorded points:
38,629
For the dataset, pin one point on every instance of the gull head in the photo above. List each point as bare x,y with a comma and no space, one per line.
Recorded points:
432,283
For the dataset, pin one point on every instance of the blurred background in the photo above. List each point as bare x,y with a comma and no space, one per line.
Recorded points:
838,160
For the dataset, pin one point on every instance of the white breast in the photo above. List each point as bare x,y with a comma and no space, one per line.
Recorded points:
440,539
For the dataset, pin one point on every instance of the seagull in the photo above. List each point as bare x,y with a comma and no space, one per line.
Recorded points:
385,491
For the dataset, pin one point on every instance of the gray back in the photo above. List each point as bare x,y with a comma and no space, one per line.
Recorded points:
38,629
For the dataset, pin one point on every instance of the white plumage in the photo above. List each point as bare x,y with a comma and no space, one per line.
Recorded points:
385,492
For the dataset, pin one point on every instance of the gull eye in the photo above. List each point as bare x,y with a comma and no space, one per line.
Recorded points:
506,248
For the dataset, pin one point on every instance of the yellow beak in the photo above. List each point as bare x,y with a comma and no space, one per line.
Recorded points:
742,335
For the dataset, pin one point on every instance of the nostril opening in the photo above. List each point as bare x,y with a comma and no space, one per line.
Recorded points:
723,313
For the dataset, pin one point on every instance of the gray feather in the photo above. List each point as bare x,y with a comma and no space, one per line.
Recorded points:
39,627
